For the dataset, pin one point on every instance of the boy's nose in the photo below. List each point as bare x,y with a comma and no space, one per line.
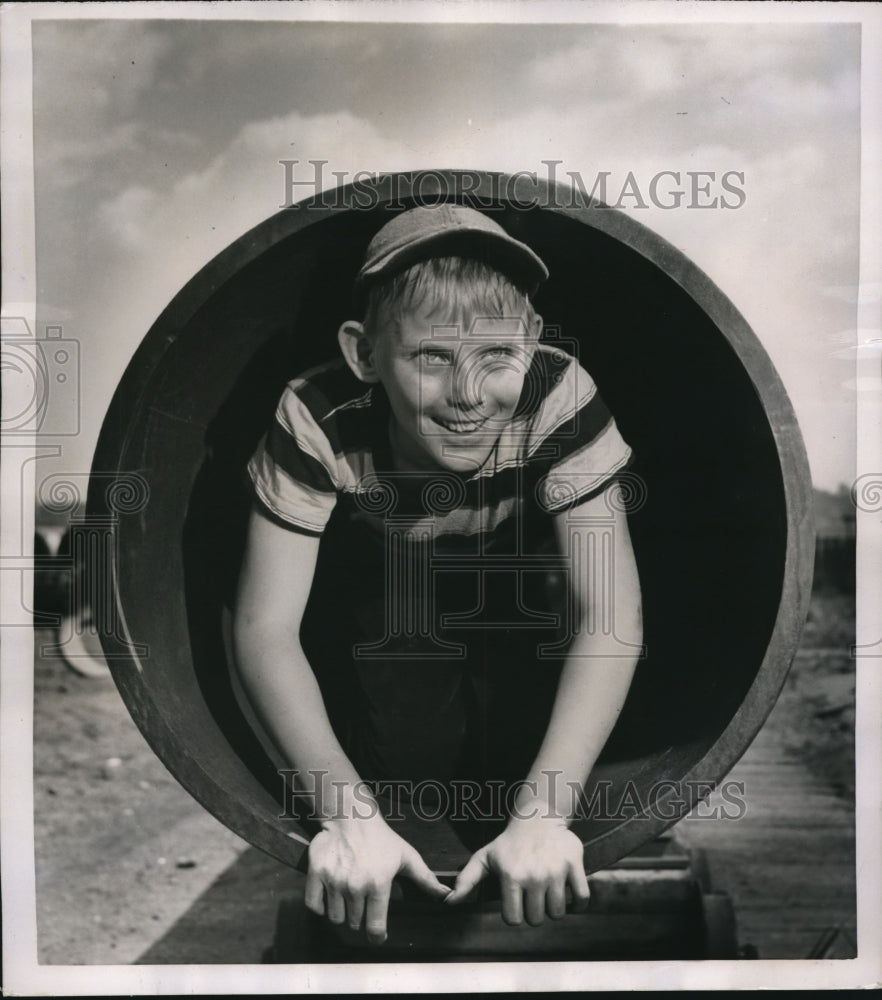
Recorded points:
465,387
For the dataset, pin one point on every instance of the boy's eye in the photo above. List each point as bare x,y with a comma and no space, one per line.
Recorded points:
434,356
501,352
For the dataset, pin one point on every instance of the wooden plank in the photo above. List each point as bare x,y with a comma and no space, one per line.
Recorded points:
482,935
789,861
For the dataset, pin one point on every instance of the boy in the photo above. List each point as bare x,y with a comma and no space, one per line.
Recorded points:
443,386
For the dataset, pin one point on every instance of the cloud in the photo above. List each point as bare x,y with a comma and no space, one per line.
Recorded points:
635,62
670,89
91,78
172,138
91,72
240,187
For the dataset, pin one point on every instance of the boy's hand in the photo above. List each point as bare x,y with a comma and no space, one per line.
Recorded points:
352,863
534,859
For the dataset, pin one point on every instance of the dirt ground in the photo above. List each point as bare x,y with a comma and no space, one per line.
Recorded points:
818,700
122,851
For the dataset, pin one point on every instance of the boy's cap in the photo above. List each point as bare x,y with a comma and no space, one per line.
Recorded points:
449,230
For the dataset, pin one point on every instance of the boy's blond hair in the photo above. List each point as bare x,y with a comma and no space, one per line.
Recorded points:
451,287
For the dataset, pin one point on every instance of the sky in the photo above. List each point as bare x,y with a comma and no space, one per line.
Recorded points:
157,144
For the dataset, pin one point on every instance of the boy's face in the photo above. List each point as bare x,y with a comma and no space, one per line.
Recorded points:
453,388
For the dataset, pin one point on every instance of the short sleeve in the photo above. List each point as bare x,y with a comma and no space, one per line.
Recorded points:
582,444
293,470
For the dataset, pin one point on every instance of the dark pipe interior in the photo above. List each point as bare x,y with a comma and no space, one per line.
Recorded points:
710,539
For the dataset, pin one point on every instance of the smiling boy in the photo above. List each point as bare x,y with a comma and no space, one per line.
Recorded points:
445,387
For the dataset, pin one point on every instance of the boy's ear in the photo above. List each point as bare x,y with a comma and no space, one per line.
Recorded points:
533,332
357,351
536,332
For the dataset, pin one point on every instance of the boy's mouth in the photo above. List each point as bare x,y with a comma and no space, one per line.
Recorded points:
461,426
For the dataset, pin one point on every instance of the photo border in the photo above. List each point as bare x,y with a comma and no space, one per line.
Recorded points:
22,973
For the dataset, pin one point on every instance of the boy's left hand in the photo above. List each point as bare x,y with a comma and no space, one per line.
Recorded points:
535,859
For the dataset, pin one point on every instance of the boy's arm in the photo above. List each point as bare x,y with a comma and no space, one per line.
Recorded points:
355,857
537,855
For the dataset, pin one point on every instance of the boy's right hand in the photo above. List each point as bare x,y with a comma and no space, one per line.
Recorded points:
352,863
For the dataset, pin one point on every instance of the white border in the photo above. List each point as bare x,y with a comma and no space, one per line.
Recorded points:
868,719
17,531
22,974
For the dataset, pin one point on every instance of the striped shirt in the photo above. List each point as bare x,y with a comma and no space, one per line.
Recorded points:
327,453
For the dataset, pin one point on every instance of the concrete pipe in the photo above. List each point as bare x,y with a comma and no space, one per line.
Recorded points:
721,526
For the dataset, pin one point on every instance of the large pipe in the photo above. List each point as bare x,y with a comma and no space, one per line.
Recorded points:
724,539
